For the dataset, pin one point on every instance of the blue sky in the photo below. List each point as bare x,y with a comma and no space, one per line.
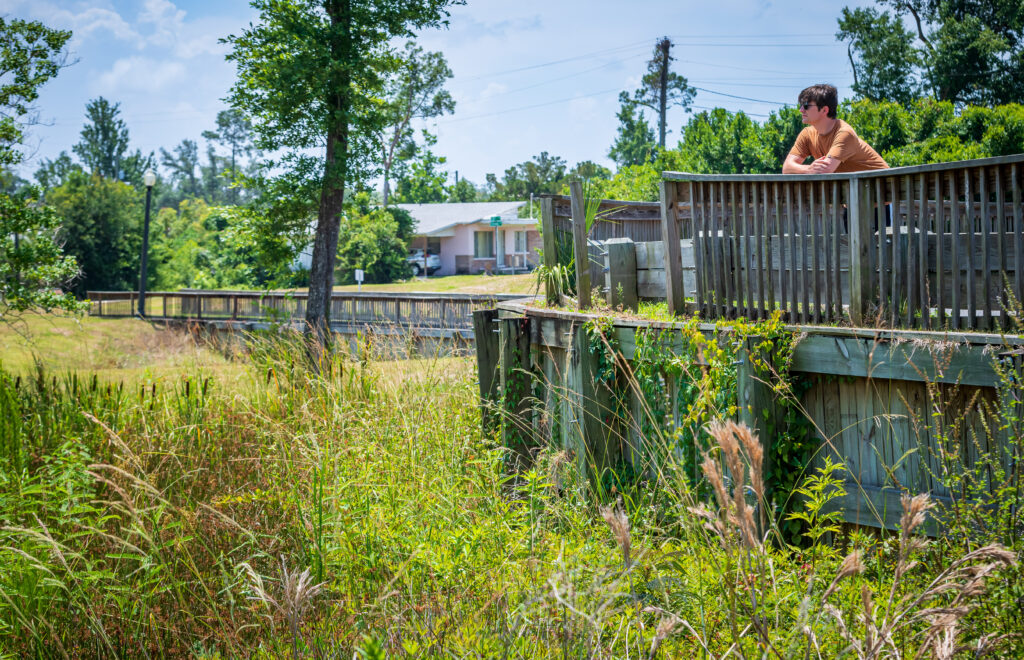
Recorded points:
530,75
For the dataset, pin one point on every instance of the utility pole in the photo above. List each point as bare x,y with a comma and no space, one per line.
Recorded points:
664,46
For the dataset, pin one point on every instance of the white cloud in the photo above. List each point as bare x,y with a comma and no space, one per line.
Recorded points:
102,20
167,20
493,89
139,74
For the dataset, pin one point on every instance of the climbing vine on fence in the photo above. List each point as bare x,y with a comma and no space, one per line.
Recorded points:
685,376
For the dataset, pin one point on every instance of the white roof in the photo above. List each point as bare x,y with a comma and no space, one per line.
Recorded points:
434,218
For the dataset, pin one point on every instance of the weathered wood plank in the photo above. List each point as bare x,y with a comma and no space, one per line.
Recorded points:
487,363
579,245
621,276
674,294
969,365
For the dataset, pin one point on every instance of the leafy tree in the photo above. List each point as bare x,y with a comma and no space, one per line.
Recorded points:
634,143
310,75
374,240
30,54
589,170
541,174
182,165
421,180
102,221
52,173
677,90
887,61
103,147
463,190
414,90
234,131
963,51
632,183
32,265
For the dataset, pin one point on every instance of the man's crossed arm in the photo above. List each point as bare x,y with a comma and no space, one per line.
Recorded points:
795,165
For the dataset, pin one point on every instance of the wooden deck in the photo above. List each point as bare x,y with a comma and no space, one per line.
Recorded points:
439,311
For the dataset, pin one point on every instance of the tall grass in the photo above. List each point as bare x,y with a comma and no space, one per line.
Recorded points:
360,509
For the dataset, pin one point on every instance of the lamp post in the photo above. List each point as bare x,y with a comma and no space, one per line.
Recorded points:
149,178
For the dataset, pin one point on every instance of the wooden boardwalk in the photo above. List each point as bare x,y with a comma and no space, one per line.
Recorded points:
430,314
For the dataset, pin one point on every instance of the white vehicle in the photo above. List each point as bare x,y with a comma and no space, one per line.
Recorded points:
415,260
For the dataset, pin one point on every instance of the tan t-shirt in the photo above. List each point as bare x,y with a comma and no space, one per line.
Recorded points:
843,144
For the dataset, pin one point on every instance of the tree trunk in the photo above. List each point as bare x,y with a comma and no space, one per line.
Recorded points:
332,193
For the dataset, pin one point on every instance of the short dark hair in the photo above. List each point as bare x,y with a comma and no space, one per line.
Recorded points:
822,95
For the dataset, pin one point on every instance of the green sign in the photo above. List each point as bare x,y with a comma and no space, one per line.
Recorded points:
496,221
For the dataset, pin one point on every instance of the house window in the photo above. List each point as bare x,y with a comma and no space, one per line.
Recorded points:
520,241
483,245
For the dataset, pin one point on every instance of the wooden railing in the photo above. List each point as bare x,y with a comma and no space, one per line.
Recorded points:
925,246
424,310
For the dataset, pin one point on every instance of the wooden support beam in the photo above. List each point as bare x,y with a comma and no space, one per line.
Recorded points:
674,294
579,245
550,239
620,275
598,445
756,401
485,334
515,393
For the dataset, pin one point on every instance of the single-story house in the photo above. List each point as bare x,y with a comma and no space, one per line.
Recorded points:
463,236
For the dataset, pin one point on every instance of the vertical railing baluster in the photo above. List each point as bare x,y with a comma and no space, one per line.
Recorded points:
940,240
907,255
802,223
816,270
1000,229
833,276
896,240
748,264
1018,234
726,245
986,230
954,260
922,252
781,232
735,231
969,281
881,223
794,293
712,241
698,258
764,254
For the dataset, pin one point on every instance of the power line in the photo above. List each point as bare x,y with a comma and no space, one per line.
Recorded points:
571,75
527,107
561,61
742,98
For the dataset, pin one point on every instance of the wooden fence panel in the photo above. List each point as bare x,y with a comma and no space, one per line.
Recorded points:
937,245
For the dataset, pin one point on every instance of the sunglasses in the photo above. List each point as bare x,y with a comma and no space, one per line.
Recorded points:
804,106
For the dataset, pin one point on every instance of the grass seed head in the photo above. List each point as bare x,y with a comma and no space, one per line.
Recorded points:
618,522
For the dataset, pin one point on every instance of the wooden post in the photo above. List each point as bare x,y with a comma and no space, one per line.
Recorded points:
756,401
673,254
861,216
547,226
620,277
579,245
598,447
486,338
516,420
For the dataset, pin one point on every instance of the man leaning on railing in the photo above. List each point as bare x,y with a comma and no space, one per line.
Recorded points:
833,143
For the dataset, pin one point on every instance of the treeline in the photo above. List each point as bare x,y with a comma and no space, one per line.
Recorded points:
227,214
